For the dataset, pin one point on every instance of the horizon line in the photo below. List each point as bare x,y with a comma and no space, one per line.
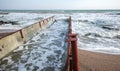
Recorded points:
59,9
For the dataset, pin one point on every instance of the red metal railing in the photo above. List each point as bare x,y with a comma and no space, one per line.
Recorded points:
72,60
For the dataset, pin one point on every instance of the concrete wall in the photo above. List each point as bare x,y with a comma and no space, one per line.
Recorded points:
11,42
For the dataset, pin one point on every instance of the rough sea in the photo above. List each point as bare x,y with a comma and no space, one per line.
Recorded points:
98,31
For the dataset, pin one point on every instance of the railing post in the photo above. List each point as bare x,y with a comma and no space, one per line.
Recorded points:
72,60
70,25
40,25
75,53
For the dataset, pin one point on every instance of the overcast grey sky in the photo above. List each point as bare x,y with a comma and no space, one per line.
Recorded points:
59,4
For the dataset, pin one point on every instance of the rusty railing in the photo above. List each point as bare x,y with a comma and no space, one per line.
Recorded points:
72,59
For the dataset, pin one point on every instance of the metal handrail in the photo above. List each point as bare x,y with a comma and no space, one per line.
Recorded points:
72,60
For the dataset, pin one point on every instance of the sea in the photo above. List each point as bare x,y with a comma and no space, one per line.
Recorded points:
97,31
59,11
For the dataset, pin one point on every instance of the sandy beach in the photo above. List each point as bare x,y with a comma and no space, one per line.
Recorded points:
93,61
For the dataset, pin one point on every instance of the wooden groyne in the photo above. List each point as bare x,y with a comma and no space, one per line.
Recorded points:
11,39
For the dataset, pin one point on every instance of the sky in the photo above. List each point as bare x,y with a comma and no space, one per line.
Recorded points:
59,4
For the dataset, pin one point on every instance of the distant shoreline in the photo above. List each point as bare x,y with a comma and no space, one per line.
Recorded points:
60,11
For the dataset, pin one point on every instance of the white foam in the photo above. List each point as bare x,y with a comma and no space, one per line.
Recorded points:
49,40
105,43
46,49
22,19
